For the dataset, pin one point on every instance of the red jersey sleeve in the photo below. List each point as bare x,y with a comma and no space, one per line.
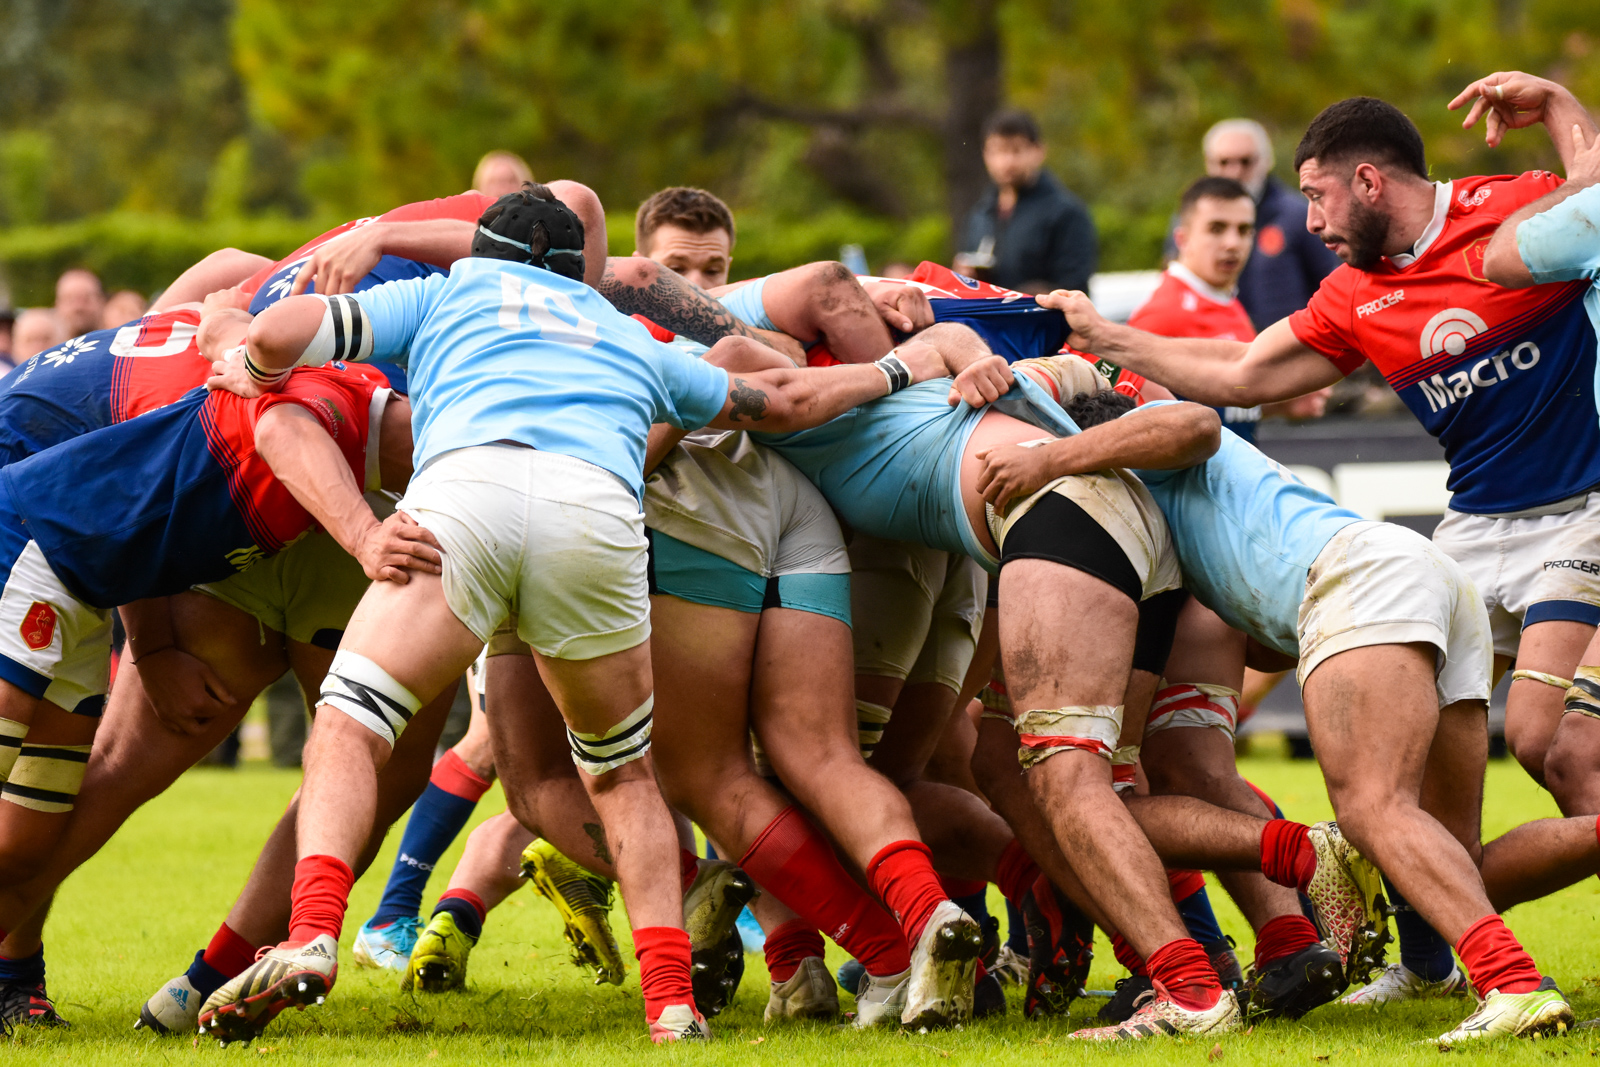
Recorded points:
468,206
1325,323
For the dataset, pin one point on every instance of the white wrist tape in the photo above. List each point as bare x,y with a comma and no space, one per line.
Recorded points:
345,333
623,743
368,694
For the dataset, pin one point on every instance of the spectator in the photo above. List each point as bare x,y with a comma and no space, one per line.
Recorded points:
1027,232
80,302
689,230
36,330
1288,262
124,305
896,269
501,172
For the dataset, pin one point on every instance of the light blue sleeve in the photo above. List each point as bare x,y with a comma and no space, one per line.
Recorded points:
696,391
397,311
1562,243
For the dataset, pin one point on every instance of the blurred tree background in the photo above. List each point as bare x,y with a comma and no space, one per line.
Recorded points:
137,134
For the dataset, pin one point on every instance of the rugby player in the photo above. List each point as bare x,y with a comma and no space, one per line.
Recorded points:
1393,647
1470,359
576,390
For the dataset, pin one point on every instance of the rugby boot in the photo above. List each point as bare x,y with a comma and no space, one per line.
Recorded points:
174,1009
944,962
583,900
27,1004
1129,996
1226,963
1162,1016
438,963
1009,967
1289,987
809,993
987,997
387,947
1399,982
1542,1013
282,976
1060,950
881,1000
1347,894
678,1022
990,954
711,910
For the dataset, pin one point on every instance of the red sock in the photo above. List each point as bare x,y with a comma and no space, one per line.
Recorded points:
1494,960
228,954
902,875
1015,873
793,861
788,945
1282,937
453,775
1286,854
688,867
1185,884
955,888
470,897
663,955
321,895
1183,970
1125,954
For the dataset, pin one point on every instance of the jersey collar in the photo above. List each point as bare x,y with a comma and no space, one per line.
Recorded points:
1200,285
1441,212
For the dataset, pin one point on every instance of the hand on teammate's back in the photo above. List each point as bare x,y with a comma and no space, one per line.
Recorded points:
184,693
902,307
224,320
1011,472
396,546
228,374
982,382
1511,100
340,264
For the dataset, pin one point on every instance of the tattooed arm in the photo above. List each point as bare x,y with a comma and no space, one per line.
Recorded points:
639,286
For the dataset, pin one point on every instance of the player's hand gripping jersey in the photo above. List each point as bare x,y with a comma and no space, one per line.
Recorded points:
272,283
180,497
1503,377
99,379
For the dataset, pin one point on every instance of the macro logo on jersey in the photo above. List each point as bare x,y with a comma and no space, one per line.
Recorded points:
1449,331
39,626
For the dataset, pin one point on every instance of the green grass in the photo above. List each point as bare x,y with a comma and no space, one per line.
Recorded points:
134,917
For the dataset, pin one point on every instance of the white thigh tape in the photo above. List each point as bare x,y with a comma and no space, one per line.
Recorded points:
369,695
623,743
871,720
47,777
1047,731
1540,676
11,735
344,333
1194,704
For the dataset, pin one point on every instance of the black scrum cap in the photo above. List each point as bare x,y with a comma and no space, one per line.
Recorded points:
526,227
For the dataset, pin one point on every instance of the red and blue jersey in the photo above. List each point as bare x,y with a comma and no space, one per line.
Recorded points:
97,380
1504,378
271,284
180,496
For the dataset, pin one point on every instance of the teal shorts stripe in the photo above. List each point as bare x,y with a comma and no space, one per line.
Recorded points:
700,577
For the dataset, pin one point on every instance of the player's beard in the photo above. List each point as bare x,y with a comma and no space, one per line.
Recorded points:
1368,233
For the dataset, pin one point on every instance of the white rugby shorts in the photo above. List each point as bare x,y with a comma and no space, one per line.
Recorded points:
1534,566
556,540
915,611
1377,583
52,645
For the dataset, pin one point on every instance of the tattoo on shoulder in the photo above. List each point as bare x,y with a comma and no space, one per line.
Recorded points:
748,402
674,304
597,834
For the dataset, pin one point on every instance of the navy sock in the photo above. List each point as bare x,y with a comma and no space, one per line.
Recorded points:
466,916
1016,930
1424,952
1195,911
205,978
436,820
28,970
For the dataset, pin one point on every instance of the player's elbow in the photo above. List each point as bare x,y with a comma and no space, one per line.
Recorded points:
745,355
1502,263
1199,432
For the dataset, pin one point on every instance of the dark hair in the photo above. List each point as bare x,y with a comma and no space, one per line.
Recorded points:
1012,122
694,209
1216,188
1363,129
1091,409
532,226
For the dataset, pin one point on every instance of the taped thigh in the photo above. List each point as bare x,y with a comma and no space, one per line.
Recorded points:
623,743
47,777
871,720
1125,768
1047,731
1194,704
1583,697
1540,676
368,694
11,735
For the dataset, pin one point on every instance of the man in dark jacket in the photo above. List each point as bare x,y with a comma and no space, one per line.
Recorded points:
1027,232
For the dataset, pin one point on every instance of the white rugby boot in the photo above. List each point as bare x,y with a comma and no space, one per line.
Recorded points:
1398,982
1347,894
1541,1013
1161,1016
944,964
810,993
282,976
173,1009
881,1000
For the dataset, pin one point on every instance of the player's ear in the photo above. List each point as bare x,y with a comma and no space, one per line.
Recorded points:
1367,182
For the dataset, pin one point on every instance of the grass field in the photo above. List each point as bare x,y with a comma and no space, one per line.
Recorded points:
135,916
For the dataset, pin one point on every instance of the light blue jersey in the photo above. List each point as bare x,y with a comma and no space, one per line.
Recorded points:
499,351
1246,532
1562,244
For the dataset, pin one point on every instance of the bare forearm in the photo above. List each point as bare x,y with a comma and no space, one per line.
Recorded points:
1563,113
437,241
961,346
1502,260
782,401
1167,438
305,459
279,335
1202,370
636,286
